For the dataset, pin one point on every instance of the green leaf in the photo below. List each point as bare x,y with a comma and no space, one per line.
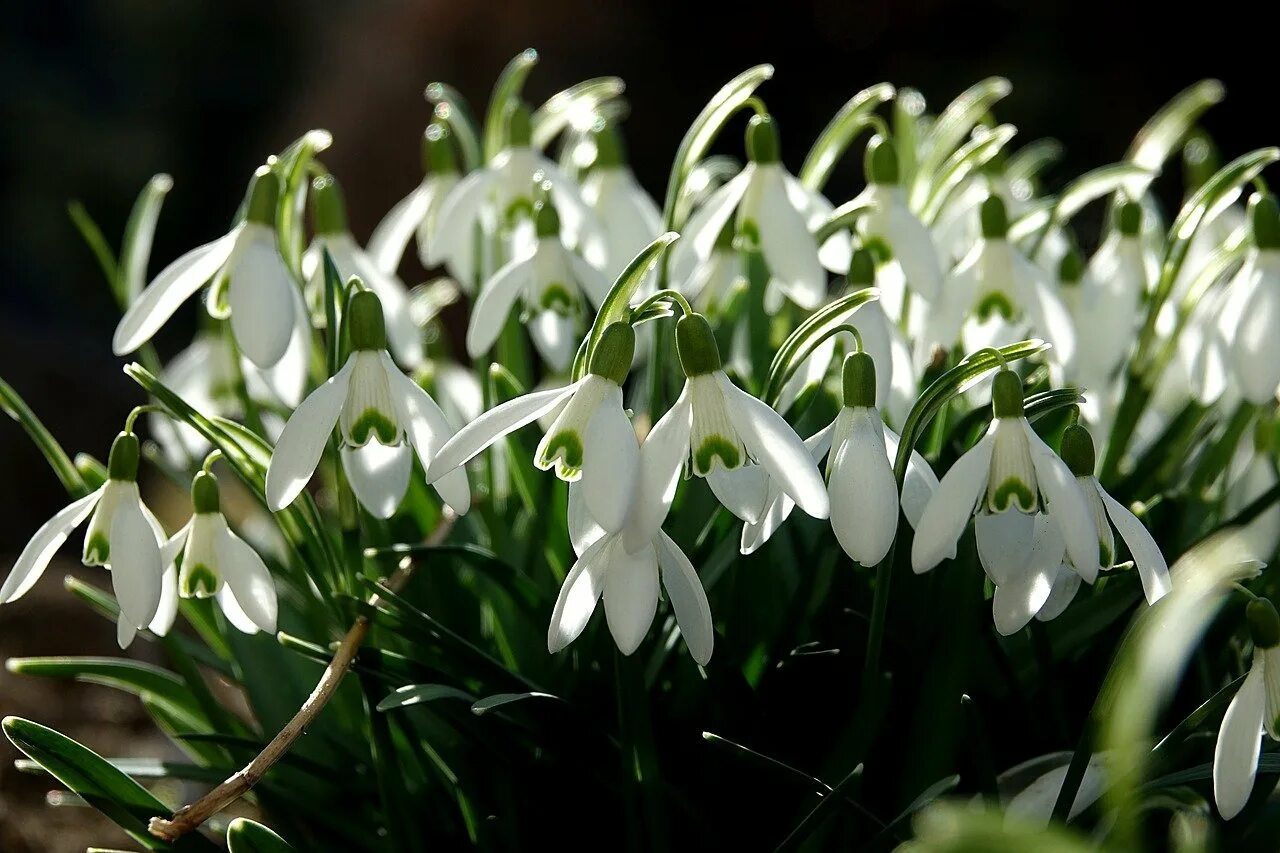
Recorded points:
505,92
135,249
1092,185
500,700
66,471
808,334
247,836
951,129
563,107
97,243
1165,131
616,307
146,768
704,130
843,218
419,694
967,160
1026,164
839,133
94,779
504,576
293,167
452,108
136,677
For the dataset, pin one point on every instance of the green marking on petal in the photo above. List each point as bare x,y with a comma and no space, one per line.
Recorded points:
521,208
198,581
715,446
373,423
557,297
97,550
992,304
749,231
564,450
1011,494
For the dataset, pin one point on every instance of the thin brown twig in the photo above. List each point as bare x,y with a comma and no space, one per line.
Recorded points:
192,816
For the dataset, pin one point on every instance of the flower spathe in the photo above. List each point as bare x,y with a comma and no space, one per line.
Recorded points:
383,417
260,293
1255,708
591,440
122,536
216,563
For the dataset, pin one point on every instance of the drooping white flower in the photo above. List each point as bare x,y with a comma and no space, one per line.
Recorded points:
1255,708
720,429
995,296
333,235
122,535
550,282
860,481
498,198
415,214
1110,300
591,440
383,416
216,563
774,213
1250,314
260,292
629,217
890,221
1251,475
1005,479
711,282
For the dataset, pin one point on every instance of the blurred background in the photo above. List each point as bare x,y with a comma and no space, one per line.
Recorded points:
99,95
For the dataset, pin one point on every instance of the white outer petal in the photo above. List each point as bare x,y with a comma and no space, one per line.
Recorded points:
248,578
630,594
493,305
1020,598
610,462
744,491
1064,502
864,493
1235,756
578,595
458,215
706,223
777,505
553,337
951,507
302,442
688,598
1004,542
1151,564
665,450
920,482
790,251
584,531
260,293
136,572
379,475
427,430
387,243
35,557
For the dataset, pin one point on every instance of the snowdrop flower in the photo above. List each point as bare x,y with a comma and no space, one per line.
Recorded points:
1253,474
724,431
415,213
498,197
1255,707
890,221
122,535
1111,299
627,579
1019,489
630,218
861,484
550,282
260,292
712,282
383,416
333,235
771,212
1251,313
591,440
995,295
456,389
216,563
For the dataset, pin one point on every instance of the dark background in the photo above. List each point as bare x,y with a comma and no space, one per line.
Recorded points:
98,96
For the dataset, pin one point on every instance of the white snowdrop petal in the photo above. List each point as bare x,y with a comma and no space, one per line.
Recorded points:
951,507
167,610
864,493
1020,598
493,305
662,457
789,250
610,462
578,595
584,531
390,237
919,484
456,220
235,614
630,595
1146,553
591,280
248,578
136,572
173,286
913,247
744,490
1235,755
427,430
1004,542
1064,501
261,295
706,223
688,598
554,337
305,435
379,475
777,506
1066,584
35,557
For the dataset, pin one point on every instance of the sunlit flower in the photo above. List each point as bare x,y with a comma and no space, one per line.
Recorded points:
1255,708
550,282
260,294
711,282
122,536
591,439
216,563
1250,315
773,213
630,218
1008,478
333,235
721,430
383,417
415,213
1111,294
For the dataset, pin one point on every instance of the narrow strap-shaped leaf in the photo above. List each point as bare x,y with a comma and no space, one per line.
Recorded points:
1164,131
129,675
135,248
420,694
15,407
801,341
563,107
454,109
839,133
292,166
951,128
505,91
248,836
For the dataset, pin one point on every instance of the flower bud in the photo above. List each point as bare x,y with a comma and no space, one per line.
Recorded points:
696,345
614,352
858,378
995,218
1264,623
328,209
1006,394
1077,450
881,162
762,139
204,493
366,326
264,197
122,464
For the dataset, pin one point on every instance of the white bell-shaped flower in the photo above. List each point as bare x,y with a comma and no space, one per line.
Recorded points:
628,215
1110,300
1006,479
333,236
384,417
591,439
415,214
723,431
550,282
260,293
1250,315
890,221
773,213
710,283
216,563
1255,708
122,535
995,296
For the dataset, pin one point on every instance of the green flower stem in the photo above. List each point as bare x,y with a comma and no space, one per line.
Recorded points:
669,296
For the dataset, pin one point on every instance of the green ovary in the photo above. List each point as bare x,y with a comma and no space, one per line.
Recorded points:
557,297
992,304
372,424
198,581
1011,494
565,451
715,446
97,550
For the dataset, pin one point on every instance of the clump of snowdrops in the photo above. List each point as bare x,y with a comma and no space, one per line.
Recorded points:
1022,604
